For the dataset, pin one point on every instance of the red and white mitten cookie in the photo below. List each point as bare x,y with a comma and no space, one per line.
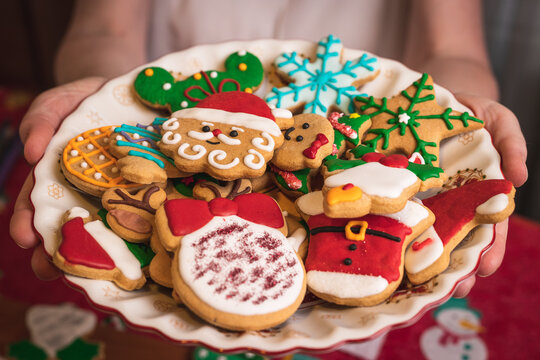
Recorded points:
89,249
233,265
457,212
359,261
375,184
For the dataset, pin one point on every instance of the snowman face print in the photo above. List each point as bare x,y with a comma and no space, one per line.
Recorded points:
226,149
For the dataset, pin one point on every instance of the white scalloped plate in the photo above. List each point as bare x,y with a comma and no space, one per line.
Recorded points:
316,326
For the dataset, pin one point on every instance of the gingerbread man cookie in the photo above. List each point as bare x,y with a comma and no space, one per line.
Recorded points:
413,122
233,265
322,86
159,89
358,261
230,135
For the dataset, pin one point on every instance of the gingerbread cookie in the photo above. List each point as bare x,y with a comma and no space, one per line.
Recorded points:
307,142
292,183
229,136
87,163
374,184
159,89
457,212
358,261
87,248
233,265
160,267
140,159
207,190
413,122
132,216
348,131
324,85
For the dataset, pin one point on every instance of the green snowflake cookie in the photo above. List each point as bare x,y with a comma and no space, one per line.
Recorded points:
159,89
412,122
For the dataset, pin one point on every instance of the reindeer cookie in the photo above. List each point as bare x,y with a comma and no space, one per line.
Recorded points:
132,216
230,135
233,265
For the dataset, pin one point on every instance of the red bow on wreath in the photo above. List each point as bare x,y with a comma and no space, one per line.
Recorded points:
187,215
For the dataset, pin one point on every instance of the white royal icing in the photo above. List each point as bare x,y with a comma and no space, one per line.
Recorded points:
494,205
116,248
411,214
237,129
416,261
84,164
74,153
171,124
171,138
249,160
221,155
198,149
297,238
345,285
249,121
247,257
227,140
258,142
375,179
203,136
282,113
311,203
77,212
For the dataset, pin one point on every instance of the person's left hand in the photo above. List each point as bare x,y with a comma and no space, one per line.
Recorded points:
508,139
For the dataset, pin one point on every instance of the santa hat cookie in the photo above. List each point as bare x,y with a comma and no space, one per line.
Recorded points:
228,135
457,212
89,249
233,265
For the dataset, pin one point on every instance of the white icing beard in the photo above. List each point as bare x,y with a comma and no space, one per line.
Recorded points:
249,270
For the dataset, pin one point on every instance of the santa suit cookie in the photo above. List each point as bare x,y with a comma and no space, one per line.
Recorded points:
228,135
358,261
457,212
89,249
233,265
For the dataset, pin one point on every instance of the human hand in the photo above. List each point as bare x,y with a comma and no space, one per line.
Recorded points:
508,139
37,128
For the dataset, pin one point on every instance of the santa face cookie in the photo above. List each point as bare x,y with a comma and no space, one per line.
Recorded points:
374,184
307,142
457,212
229,136
358,261
87,248
233,265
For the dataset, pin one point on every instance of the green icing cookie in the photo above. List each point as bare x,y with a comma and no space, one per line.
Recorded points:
25,350
293,177
158,88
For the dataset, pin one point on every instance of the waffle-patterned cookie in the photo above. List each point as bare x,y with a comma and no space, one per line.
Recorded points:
88,165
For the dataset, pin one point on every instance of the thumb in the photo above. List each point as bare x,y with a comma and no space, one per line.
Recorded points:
48,111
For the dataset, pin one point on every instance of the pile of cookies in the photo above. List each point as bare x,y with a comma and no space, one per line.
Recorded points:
238,206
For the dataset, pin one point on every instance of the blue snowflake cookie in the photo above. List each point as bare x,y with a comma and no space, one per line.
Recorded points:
323,85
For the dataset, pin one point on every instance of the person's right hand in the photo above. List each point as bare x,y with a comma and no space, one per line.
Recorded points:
38,126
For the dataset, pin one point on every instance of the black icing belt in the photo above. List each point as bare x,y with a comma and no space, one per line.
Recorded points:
342,229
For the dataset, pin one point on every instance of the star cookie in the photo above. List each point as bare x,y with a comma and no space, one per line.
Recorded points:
413,122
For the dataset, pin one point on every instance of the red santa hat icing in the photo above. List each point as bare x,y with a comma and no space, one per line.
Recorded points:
234,108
